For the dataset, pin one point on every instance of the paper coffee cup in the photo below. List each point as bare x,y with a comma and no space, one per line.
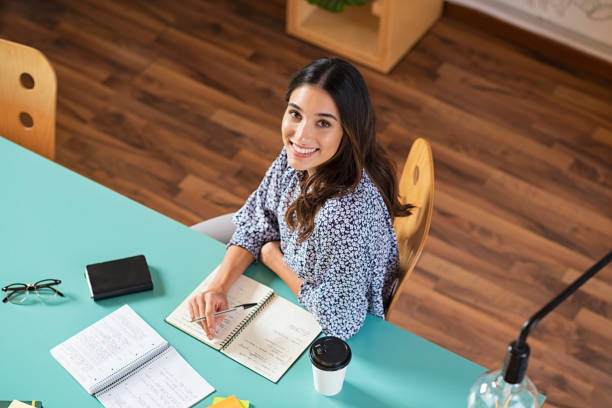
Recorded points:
329,357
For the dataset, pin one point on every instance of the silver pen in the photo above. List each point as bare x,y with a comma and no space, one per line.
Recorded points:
244,306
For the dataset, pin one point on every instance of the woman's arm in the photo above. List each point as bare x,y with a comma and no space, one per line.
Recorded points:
272,256
214,298
234,263
256,223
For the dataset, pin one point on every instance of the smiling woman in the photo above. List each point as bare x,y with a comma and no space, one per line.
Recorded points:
321,218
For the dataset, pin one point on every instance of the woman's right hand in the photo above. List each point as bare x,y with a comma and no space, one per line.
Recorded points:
214,298
207,304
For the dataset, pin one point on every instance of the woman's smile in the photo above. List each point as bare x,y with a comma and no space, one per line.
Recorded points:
303,151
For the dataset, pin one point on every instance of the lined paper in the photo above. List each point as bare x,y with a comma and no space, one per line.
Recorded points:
267,338
245,290
123,362
168,382
274,339
107,347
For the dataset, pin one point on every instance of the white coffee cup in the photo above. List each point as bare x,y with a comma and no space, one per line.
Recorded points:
329,357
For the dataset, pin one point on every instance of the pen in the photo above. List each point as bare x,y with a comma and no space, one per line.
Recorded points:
244,306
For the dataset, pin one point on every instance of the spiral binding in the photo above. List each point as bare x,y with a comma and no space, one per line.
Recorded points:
116,379
238,329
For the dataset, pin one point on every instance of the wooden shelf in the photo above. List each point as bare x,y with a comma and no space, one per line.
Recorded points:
377,34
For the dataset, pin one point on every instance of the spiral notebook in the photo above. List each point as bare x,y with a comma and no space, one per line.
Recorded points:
123,361
267,338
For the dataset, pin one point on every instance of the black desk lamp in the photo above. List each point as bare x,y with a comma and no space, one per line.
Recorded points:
510,387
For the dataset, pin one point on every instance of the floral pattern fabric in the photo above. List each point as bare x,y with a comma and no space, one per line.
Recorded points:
348,263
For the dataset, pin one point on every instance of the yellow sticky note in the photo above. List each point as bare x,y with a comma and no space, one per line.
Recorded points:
244,403
229,402
18,404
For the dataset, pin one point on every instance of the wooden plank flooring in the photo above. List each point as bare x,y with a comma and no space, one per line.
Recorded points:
178,106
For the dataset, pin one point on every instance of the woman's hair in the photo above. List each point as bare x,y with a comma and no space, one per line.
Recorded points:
358,148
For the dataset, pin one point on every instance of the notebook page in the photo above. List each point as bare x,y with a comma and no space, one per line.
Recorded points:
107,347
168,381
274,339
245,290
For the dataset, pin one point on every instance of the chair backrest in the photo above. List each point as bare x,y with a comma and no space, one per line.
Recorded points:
416,187
28,89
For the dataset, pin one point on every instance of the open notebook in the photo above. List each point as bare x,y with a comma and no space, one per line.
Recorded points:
267,338
124,362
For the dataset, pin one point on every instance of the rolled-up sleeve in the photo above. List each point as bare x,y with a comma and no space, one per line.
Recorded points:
256,222
338,296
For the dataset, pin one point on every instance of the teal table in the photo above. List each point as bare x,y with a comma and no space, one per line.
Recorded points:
53,222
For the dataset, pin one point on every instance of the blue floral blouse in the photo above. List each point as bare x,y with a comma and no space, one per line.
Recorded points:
348,263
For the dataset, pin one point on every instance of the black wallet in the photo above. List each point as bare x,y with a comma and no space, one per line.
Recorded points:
118,277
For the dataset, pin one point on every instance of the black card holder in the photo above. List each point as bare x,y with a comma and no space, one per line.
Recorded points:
118,277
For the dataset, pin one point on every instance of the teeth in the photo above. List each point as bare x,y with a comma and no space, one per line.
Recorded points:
303,151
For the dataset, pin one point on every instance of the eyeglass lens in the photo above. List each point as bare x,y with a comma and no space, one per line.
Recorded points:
18,295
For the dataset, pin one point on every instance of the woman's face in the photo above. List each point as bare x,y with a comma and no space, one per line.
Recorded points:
311,128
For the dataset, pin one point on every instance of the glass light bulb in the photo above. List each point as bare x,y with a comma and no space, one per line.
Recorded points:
491,391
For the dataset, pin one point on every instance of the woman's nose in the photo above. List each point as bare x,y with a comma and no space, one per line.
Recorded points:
301,132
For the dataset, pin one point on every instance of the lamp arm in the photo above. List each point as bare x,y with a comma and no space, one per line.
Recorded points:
533,320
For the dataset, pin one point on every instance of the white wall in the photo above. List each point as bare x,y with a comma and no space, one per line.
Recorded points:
582,24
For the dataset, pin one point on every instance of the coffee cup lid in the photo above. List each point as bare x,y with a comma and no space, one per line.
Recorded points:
330,353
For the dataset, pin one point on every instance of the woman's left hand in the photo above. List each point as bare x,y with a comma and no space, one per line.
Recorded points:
270,253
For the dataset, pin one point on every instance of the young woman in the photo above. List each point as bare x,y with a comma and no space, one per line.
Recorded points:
321,218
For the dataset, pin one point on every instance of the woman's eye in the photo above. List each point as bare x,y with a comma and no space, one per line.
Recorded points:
324,123
295,114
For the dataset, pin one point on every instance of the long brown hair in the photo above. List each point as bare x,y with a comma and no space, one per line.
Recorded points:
358,149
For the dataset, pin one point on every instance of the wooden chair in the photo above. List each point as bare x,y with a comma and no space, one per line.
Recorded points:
416,187
28,89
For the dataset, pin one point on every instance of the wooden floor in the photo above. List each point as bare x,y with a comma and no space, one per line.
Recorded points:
177,104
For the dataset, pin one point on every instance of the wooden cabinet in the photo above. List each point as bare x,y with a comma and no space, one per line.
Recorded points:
376,34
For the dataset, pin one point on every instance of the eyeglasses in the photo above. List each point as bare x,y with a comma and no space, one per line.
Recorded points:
18,292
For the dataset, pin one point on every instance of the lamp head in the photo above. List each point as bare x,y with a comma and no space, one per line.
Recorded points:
515,363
